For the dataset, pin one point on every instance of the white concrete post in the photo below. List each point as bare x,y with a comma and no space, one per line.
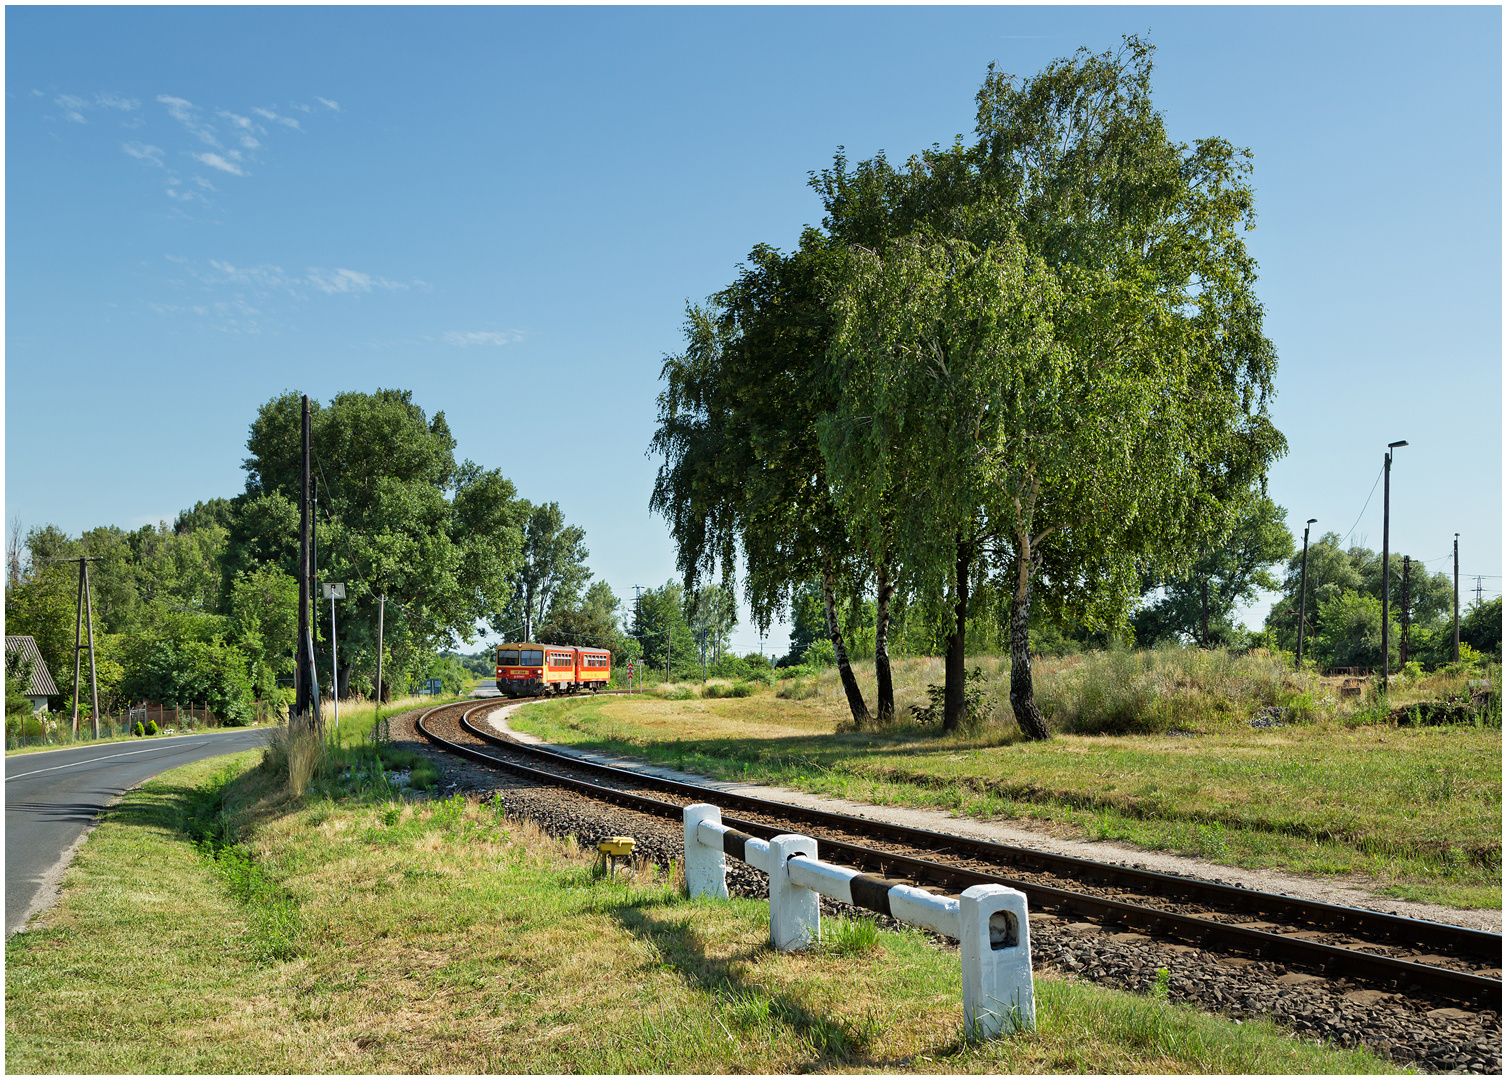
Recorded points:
705,866
795,914
998,994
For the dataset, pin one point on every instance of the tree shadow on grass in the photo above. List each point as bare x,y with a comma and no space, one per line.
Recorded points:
830,1040
159,804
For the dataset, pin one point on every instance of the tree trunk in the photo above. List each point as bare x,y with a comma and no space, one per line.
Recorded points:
1203,613
953,696
881,645
1022,693
844,669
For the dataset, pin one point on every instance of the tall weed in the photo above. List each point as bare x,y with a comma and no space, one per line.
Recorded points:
293,755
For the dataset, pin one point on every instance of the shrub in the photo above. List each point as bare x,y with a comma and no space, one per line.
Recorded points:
819,654
137,729
151,727
976,705
797,689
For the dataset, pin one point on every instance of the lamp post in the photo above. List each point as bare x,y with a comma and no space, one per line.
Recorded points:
1386,569
1303,592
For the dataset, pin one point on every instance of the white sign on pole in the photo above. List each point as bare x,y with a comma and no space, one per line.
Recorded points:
334,590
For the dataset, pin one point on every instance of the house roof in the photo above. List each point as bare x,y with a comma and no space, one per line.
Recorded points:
41,679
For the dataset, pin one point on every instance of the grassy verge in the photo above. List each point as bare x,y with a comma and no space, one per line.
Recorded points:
1416,809
353,934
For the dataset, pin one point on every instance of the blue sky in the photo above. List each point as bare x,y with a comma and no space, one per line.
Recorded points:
506,210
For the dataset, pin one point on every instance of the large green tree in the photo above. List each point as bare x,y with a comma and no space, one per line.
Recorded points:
589,620
743,471
1065,313
398,517
664,636
550,573
1200,606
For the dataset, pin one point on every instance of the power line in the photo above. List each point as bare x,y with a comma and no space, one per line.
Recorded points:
1362,513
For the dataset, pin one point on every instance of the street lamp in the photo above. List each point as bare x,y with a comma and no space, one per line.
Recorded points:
1303,593
1386,567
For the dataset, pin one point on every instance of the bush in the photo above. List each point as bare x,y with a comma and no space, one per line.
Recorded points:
819,654
173,667
151,727
719,690
137,729
797,689
976,704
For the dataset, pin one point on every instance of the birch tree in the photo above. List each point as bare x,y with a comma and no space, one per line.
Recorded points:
1060,365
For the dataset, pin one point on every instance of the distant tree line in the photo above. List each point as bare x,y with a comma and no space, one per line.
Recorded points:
205,611
1343,612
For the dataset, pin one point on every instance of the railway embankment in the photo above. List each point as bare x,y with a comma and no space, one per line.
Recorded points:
218,923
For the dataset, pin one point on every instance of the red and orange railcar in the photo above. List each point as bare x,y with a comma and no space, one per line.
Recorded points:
527,669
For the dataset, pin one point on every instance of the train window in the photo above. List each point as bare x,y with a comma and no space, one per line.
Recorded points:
507,657
533,657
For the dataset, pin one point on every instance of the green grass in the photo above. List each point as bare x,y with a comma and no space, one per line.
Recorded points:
213,924
1419,810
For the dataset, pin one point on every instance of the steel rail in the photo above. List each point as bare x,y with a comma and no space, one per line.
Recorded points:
1481,991
1378,926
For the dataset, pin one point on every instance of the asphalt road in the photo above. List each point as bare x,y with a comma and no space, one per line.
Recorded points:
53,796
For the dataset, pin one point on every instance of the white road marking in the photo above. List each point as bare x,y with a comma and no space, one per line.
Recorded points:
90,761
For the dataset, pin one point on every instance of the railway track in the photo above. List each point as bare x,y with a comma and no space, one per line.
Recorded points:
1408,956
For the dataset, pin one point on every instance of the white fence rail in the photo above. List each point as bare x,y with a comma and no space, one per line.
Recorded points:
989,921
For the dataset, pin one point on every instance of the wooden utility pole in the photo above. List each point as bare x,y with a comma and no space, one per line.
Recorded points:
1457,598
78,637
93,677
85,608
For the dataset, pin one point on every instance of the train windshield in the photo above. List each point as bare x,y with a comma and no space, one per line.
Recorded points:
533,657
507,657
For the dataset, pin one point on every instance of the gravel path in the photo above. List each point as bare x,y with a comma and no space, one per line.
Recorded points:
1439,1040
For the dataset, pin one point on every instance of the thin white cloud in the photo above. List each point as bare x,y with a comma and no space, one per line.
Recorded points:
349,281
481,337
275,118
187,114
72,107
205,184
115,101
333,106
144,152
265,277
215,161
